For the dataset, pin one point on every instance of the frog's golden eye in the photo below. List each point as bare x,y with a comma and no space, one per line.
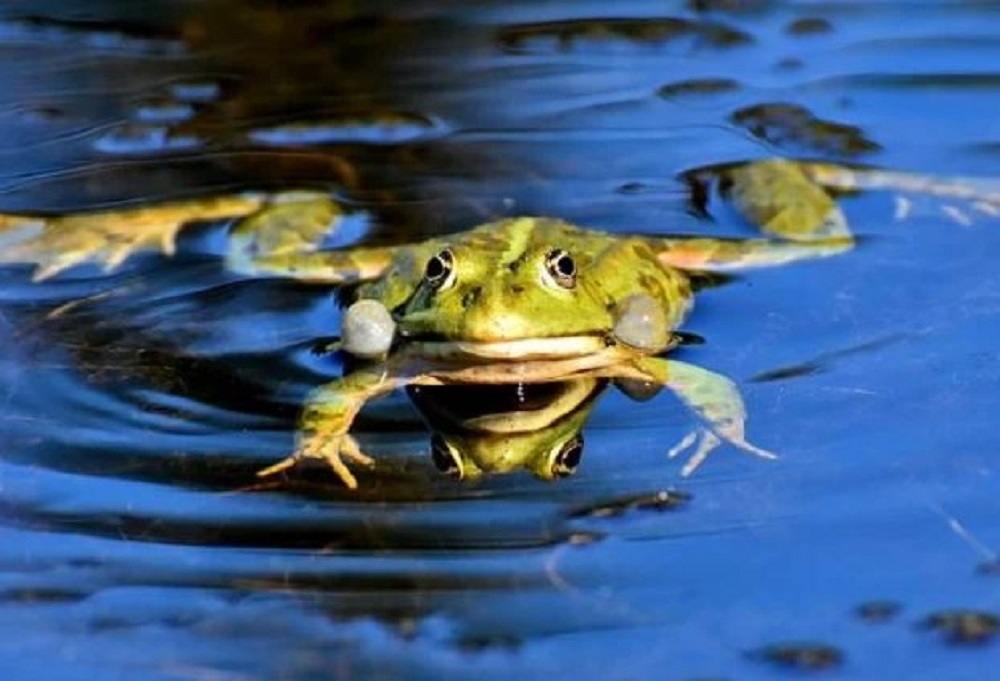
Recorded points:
444,457
440,269
561,267
567,457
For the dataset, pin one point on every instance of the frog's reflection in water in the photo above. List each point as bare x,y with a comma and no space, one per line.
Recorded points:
481,429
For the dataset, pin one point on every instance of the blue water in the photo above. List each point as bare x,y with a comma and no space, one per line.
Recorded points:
136,542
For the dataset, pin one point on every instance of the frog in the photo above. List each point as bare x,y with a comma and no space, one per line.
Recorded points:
516,302
509,306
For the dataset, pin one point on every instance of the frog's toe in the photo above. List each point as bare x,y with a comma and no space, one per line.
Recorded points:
329,450
116,255
991,208
281,466
703,442
755,450
350,449
957,215
52,265
684,444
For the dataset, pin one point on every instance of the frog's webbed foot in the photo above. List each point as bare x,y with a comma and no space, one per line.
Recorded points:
801,219
963,214
702,441
326,419
716,403
959,199
284,239
781,199
279,234
330,449
275,239
107,238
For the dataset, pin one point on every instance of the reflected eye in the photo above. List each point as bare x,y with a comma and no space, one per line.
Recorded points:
561,267
439,269
444,458
568,457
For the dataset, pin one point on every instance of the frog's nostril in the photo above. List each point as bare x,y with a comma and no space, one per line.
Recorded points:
471,296
517,288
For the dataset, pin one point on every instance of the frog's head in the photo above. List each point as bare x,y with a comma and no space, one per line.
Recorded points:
521,288
481,430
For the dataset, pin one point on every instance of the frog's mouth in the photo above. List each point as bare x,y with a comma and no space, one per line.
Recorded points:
502,409
520,349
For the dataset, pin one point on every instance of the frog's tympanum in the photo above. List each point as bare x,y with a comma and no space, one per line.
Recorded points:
504,335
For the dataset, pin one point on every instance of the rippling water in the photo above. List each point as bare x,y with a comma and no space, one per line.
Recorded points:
135,407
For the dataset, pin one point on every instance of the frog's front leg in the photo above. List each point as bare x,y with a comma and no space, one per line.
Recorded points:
716,402
326,421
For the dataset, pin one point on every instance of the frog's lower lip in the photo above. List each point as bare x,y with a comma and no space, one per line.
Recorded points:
519,349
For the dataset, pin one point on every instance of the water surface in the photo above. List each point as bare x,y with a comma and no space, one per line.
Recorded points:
137,542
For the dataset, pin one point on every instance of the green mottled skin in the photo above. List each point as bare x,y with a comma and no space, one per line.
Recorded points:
501,316
502,291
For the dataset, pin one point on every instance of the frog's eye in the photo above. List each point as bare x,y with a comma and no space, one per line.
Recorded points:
440,269
445,458
567,457
561,267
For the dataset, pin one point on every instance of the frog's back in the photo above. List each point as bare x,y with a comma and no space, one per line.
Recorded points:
611,267
510,238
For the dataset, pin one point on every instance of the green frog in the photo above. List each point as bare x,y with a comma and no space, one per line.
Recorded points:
526,304
518,302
